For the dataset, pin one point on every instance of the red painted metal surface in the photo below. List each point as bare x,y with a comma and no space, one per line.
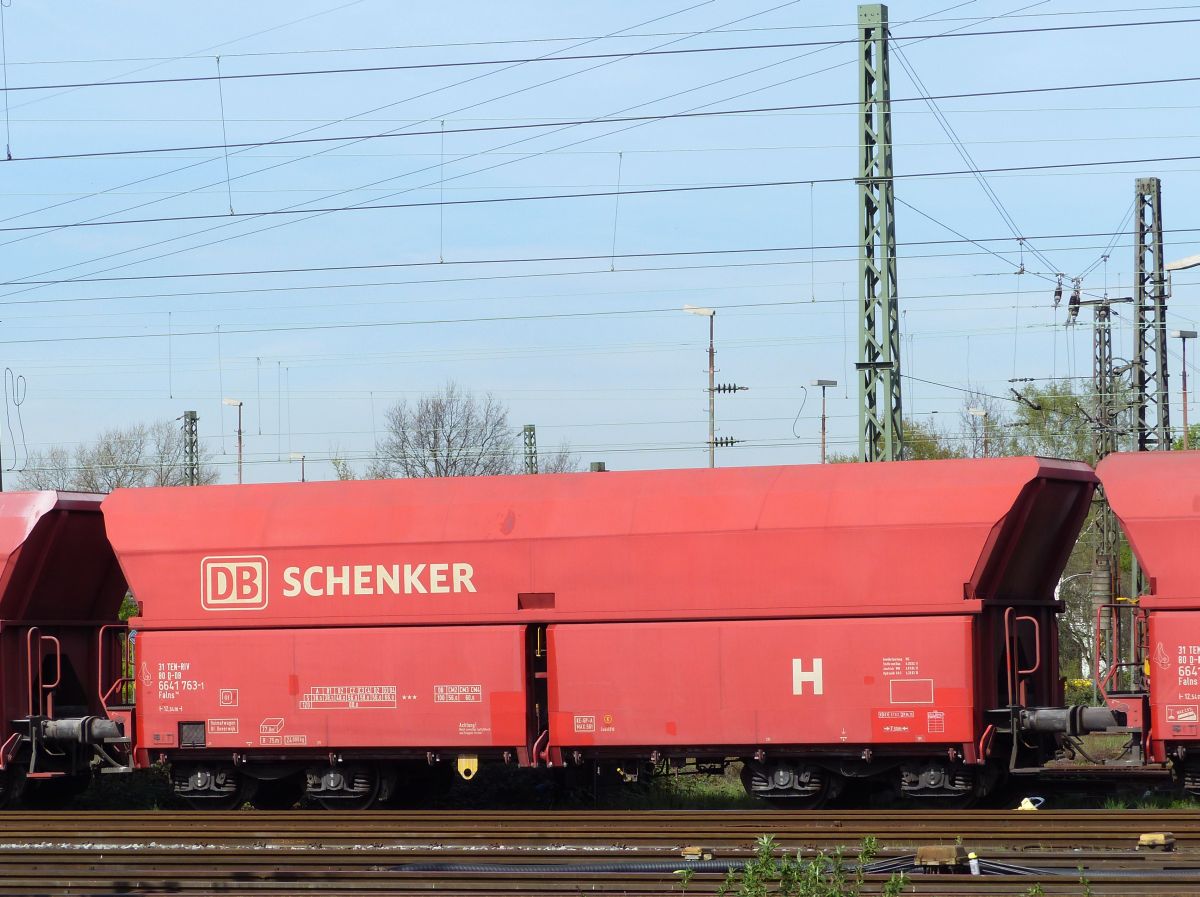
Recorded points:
914,538
59,584
55,561
1175,675
830,682
1156,496
291,690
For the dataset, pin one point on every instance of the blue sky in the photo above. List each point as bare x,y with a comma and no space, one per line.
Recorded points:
595,351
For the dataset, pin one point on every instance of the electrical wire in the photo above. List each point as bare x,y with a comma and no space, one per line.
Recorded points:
145,68
603,120
591,194
208,50
965,155
930,381
441,177
578,57
15,387
507,260
1118,232
371,111
420,322
533,40
417,66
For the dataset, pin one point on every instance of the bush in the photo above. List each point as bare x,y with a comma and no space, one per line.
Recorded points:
1079,691
825,875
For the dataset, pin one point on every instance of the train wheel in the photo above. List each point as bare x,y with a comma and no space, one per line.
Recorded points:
935,784
790,786
278,794
810,801
349,788
212,788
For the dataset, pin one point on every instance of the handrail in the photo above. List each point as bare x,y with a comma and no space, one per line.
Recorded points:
1037,646
29,669
985,740
1014,677
1115,667
543,753
49,689
121,680
45,697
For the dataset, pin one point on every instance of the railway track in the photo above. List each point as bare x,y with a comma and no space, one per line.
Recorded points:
402,853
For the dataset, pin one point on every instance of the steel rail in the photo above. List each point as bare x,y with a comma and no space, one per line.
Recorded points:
272,853
389,884
641,829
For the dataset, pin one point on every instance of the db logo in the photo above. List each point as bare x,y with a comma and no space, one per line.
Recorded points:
233,583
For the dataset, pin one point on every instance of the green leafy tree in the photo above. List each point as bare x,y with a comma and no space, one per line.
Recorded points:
1193,439
922,442
1053,421
925,442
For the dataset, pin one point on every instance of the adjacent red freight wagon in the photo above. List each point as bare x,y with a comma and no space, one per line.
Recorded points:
61,644
884,621
1156,496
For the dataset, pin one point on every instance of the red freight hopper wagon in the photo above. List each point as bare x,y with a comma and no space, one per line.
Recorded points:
1156,496
820,623
61,644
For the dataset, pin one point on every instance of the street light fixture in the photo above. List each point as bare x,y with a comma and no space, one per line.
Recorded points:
1183,264
237,403
983,413
711,314
299,456
1183,336
824,385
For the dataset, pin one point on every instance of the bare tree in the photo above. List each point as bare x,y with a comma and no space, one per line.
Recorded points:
139,455
561,460
450,433
455,433
984,424
52,469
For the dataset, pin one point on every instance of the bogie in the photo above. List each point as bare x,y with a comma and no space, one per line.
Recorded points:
788,784
212,787
350,787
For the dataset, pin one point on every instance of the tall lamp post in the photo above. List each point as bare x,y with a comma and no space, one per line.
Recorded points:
1183,336
237,403
824,385
1183,264
299,456
711,314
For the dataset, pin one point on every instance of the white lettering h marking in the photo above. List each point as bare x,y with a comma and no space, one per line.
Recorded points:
816,678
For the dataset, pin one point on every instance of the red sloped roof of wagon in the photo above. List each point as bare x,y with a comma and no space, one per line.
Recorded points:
55,560
1156,496
757,541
